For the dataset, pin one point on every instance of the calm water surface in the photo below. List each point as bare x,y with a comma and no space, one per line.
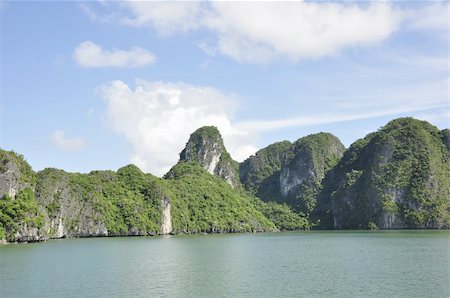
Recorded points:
303,264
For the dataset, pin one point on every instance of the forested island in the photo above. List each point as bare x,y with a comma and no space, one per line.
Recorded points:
395,178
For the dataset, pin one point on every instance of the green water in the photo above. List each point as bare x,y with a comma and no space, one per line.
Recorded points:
304,264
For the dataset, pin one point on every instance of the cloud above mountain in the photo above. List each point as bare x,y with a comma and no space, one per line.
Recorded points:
157,118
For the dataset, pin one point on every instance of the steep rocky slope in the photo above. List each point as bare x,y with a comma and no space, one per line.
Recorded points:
304,167
205,147
397,177
292,173
56,204
260,173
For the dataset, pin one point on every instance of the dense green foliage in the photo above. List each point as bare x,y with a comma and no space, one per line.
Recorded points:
205,147
123,201
260,172
311,157
397,177
205,203
284,218
400,172
292,173
11,161
23,210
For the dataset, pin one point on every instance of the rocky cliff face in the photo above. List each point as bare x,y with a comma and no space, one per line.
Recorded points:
304,167
260,172
56,204
398,177
292,173
15,174
205,147
70,211
166,221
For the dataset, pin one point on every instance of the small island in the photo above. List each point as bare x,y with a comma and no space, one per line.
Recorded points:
395,178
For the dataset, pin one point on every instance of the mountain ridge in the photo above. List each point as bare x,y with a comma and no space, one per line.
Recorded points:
312,183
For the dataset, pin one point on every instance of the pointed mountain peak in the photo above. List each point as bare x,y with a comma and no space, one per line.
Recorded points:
205,147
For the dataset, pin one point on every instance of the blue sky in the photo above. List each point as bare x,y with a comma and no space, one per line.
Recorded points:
98,85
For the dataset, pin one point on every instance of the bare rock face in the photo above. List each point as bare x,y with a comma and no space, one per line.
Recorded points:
22,218
308,160
15,174
260,173
69,213
166,218
292,173
9,180
205,147
397,177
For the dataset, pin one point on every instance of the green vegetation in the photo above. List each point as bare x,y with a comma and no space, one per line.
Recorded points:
23,210
260,172
397,177
284,218
16,163
204,147
401,171
324,149
205,203
199,142
124,201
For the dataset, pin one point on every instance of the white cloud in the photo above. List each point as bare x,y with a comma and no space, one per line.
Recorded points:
59,139
89,54
165,16
258,32
157,118
297,29
434,16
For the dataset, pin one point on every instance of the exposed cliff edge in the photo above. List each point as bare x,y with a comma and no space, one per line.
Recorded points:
205,147
395,178
292,173
57,204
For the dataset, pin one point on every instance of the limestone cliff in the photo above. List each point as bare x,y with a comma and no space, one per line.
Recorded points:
56,204
260,173
205,147
395,178
304,167
292,173
398,177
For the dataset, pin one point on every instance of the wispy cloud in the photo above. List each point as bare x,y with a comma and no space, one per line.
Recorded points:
59,139
89,54
433,16
327,118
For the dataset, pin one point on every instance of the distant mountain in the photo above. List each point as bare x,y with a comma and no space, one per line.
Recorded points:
56,204
397,177
292,173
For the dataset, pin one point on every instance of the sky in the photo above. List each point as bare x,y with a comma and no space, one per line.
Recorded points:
101,84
